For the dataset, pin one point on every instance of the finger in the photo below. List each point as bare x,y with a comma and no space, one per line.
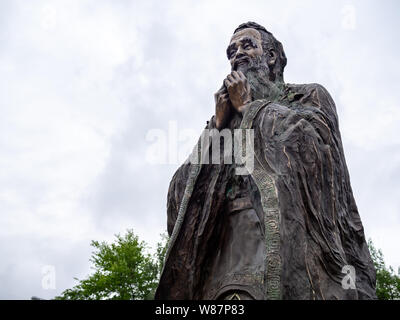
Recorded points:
222,97
241,75
221,91
225,96
227,82
235,75
230,78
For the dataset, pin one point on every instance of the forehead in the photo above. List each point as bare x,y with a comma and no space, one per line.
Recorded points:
246,33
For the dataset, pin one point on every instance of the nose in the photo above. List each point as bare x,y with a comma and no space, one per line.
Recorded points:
240,49
239,53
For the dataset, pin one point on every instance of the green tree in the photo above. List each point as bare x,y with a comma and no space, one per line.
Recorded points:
122,271
387,281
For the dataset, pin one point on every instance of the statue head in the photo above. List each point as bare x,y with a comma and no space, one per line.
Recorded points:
252,47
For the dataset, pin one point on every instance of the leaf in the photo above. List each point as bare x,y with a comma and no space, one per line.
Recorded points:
123,270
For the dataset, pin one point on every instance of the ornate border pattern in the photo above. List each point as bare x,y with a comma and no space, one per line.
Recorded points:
270,205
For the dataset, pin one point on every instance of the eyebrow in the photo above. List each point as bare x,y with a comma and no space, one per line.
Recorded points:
243,41
249,40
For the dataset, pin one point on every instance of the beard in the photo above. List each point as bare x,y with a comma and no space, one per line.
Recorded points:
258,74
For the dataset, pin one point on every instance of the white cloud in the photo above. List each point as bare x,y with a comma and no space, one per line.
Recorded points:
82,82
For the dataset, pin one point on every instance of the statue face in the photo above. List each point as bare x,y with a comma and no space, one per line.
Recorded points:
245,46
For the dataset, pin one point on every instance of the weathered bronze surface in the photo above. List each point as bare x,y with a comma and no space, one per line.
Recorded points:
289,228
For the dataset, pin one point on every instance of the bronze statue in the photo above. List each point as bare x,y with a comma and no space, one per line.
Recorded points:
290,228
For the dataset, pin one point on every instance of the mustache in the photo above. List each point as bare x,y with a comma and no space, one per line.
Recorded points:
251,63
239,61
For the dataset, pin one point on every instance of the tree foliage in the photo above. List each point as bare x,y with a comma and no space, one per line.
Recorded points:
122,271
387,281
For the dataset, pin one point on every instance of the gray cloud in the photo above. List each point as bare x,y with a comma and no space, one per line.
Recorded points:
84,82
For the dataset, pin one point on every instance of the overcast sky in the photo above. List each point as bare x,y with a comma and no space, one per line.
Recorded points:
84,83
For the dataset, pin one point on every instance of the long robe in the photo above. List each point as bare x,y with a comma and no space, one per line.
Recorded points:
312,229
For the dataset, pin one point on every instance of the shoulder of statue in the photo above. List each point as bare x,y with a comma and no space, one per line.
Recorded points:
312,97
313,94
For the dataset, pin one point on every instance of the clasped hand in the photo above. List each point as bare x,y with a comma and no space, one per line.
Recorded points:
235,93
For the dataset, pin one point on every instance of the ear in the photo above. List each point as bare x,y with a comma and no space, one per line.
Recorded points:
272,56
